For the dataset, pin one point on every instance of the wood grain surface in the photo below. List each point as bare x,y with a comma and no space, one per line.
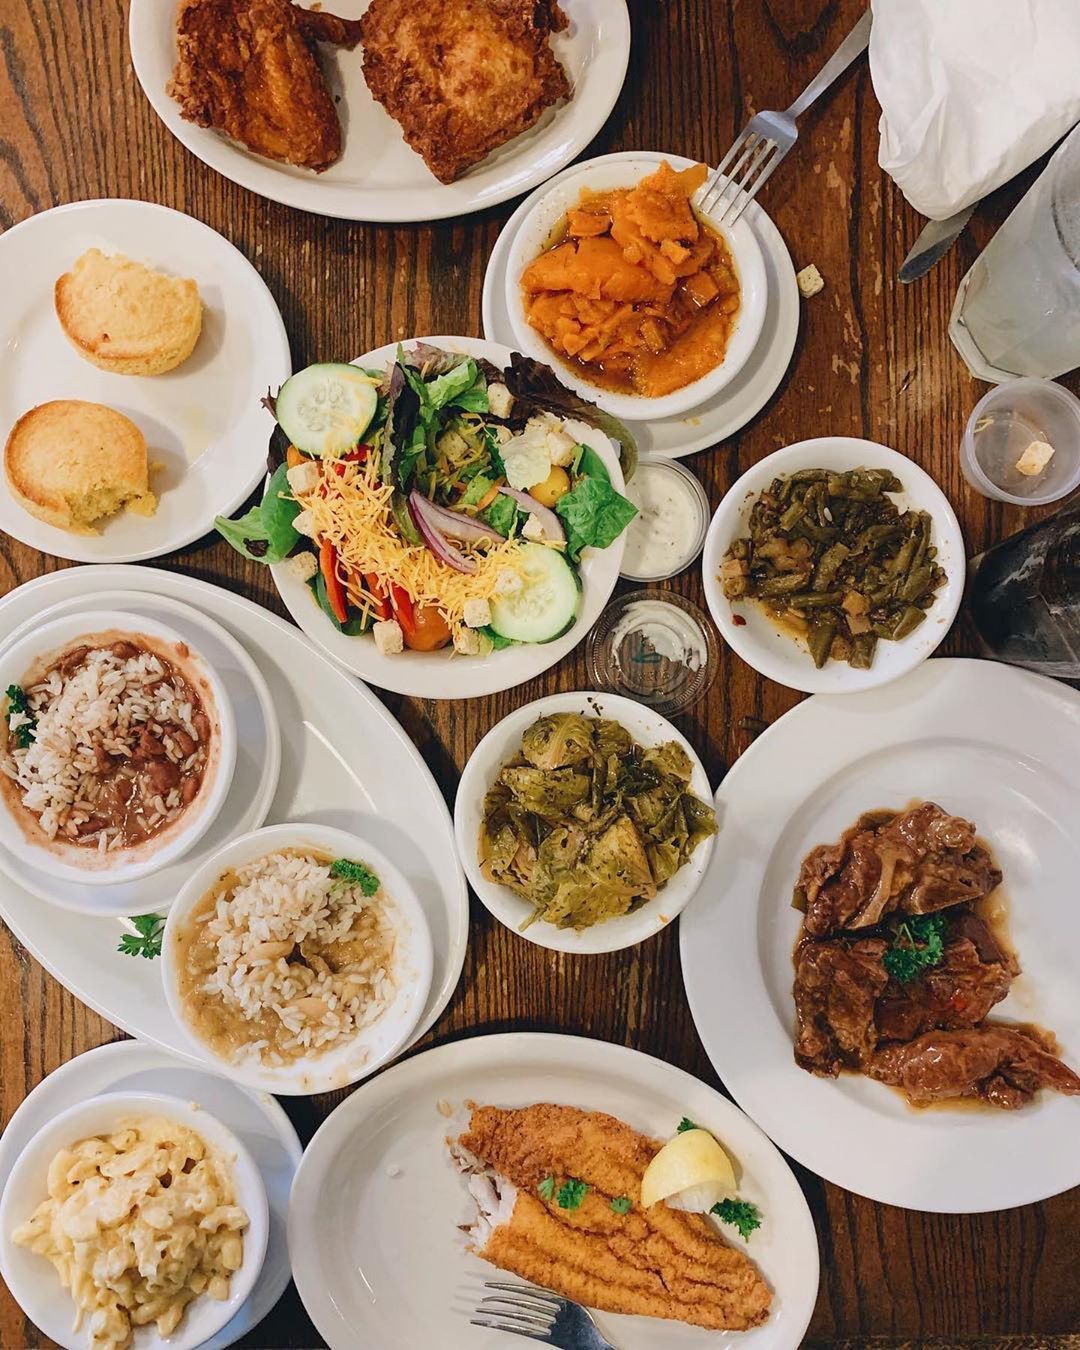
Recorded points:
872,360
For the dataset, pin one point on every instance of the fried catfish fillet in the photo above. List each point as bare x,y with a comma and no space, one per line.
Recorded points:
658,1262
462,77
247,68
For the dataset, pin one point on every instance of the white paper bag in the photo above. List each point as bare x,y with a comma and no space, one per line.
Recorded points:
971,91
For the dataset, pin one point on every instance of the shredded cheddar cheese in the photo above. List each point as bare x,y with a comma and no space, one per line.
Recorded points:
352,512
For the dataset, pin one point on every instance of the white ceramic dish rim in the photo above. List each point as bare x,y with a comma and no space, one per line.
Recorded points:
529,239
797,1110
100,1070
787,661
17,658
444,674
498,745
547,1055
500,177
204,1317
247,615
73,547
339,1067
720,418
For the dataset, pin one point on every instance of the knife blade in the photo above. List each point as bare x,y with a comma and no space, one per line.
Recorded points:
937,237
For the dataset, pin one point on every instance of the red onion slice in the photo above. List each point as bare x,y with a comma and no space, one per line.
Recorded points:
443,549
457,525
550,524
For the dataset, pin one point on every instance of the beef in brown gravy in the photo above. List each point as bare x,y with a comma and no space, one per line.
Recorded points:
924,1029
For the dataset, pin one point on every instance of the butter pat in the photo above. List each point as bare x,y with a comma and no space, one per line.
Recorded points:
1035,458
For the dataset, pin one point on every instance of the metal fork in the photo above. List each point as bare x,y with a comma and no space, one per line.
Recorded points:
768,136
525,1310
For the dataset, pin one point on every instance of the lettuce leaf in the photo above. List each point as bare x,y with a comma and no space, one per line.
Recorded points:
265,534
501,515
594,515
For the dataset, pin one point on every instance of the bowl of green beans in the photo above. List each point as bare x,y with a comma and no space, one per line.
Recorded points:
834,565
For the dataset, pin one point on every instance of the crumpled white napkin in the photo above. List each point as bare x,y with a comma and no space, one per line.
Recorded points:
971,92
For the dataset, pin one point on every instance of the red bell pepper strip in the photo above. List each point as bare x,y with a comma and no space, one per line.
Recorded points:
335,591
357,456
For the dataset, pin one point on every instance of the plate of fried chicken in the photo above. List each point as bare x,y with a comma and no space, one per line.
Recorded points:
384,110
893,878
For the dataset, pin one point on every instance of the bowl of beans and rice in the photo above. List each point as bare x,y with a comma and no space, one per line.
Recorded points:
117,747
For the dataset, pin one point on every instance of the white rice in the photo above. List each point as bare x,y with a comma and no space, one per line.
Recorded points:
292,898
106,701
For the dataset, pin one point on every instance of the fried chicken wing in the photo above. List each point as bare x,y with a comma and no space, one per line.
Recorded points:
656,1262
247,69
462,77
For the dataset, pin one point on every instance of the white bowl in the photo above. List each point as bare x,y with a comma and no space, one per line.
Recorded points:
775,653
375,1044
501,743
33,1280
19,830
531,240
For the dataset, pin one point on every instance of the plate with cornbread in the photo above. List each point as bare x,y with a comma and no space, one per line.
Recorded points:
136,344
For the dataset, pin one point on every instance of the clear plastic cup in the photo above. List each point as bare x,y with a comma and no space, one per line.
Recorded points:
1004,423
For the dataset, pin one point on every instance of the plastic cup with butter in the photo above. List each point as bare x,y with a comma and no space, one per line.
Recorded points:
668,532
1022,443
656,647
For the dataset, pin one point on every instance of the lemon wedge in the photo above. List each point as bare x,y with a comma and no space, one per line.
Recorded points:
691,1172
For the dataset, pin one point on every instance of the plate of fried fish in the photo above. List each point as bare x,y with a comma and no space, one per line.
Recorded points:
596,1172
893,875
384,110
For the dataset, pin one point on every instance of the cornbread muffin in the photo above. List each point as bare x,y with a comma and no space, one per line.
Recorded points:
125,317
72,463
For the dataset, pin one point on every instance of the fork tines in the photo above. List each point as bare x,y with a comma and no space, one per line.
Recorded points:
518,1308
729,190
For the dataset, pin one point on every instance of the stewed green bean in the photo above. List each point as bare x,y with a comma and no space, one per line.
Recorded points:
833,557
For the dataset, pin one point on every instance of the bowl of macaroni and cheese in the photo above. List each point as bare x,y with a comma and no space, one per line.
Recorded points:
133,1220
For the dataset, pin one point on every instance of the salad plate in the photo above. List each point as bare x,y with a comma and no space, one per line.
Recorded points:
996,745
345,762
255,774
558,589
733,407
377,1198
200,421
256,1119
378,177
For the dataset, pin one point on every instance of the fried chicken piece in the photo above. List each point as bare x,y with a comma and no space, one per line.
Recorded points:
462,77
999,1064
658,1262
247,69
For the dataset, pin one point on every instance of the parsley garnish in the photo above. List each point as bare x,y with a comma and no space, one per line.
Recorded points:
917,946
355,874
622,1204
571,1193
546,1189
147,940
18,703
686,1124
741,1213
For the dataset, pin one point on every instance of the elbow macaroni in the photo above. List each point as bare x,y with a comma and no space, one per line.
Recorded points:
138,1223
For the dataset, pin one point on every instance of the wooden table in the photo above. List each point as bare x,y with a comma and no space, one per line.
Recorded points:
873,360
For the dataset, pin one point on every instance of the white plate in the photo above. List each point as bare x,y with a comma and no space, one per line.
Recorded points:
997,745
345,762
255,1118
378,177
729,410
378,1258
445,674
255,775
202,421
500,744
760,641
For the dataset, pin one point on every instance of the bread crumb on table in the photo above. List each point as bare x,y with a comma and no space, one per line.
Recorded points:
809,281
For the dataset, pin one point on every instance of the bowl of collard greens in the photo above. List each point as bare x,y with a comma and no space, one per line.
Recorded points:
585,822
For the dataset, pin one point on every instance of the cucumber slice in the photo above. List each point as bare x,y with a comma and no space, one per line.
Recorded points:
545,605
324,410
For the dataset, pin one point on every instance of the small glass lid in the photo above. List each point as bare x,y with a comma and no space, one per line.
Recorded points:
656,647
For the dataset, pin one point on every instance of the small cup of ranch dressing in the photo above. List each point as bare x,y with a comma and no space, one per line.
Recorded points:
669,530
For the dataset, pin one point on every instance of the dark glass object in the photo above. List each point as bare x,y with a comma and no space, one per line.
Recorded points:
1024,596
